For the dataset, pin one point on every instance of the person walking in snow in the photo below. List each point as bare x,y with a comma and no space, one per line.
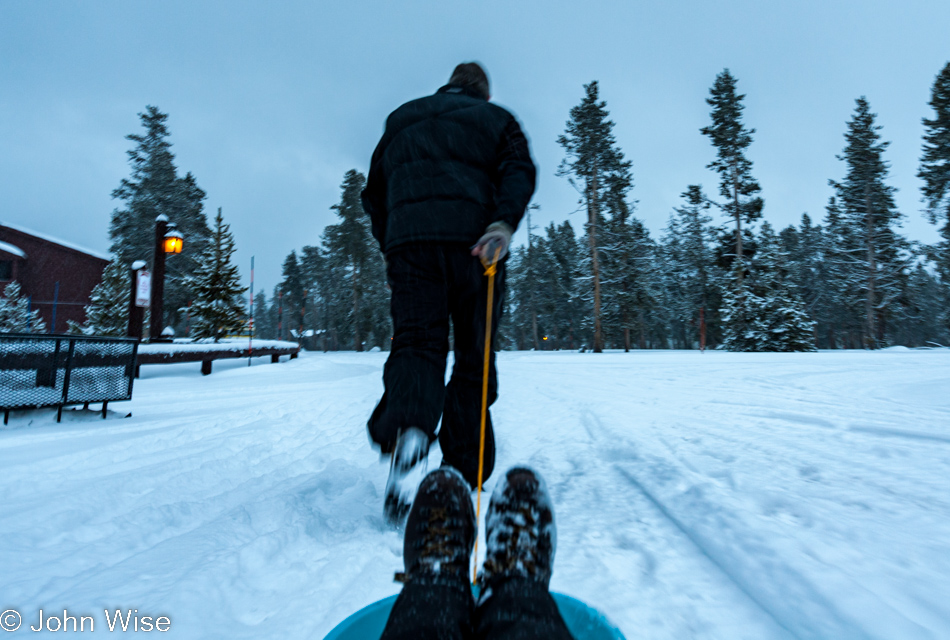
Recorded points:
448,182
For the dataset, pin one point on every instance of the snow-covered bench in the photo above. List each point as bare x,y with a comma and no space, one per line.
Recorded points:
38,370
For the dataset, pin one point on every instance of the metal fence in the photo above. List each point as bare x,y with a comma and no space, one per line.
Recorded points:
56,370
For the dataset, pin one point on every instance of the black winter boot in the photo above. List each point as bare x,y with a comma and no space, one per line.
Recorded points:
520,532
440,530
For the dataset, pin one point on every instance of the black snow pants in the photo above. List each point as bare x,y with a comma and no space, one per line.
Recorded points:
442,608
432,283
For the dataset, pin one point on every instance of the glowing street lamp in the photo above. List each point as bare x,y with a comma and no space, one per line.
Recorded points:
168,241
174,241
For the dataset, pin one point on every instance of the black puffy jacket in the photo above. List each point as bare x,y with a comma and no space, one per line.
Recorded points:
447,166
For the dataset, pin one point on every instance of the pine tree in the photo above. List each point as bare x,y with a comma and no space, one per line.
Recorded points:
517,322
327,289
935,172
532,269
691,273
804,260
923,311
628,266
378,323
631,278
531,280
15,313
219,307
531,276
741,312
568,304
868,209
154,188
108,311
731,138
277,313
188,215
294,296
935,167
351,250
543,291
784,324
596,167
265,326
765,312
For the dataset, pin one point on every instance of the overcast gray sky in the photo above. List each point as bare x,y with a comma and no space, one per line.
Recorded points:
271,103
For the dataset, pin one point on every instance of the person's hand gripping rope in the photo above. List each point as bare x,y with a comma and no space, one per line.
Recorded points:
493,245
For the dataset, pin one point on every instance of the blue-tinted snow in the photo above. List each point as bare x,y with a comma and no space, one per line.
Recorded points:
710,495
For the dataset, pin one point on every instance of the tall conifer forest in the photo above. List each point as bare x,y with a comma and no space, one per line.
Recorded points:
718,275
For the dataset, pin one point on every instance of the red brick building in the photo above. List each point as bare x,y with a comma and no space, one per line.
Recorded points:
52,273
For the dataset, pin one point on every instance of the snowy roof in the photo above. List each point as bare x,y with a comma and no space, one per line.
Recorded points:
49,238
9,248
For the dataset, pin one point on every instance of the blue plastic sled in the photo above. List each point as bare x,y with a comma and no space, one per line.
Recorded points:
584,623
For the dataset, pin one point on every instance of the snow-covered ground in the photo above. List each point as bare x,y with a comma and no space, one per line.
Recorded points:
707,495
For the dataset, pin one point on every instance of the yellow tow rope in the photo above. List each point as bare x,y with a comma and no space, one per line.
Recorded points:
490,270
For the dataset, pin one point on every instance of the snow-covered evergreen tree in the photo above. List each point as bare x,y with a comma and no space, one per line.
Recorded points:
108,311
742,312
922,318
265,326
559,281
691,276
568,309
543,292
327,304
15,313
154,188
218,307
353,256
935,172
294,294
841,308
805,262
596,167
731,138
534,271
765,312
784,323
632,284
630,271
935,168
729,135
277,313
516,323
867,204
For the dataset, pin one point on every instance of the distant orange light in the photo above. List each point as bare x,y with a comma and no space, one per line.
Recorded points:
544,338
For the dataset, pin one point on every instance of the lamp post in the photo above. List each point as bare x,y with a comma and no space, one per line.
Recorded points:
168,240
